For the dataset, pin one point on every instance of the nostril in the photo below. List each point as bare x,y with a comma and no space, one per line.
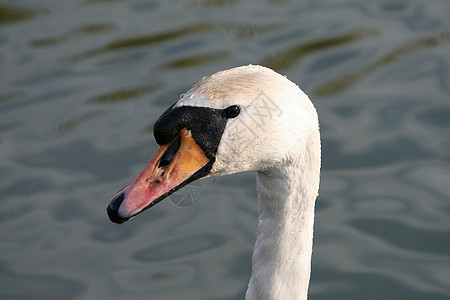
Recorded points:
170,152
164,161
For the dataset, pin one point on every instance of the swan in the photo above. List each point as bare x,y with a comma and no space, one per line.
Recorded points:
248,118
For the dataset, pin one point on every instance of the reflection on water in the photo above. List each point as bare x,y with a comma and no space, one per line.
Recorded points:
288,57
195,60
124,94
241,31
90,29
335,86
145,40
83,81
212,3
12,14
72,123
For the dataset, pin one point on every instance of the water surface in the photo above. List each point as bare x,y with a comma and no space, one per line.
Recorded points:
83,81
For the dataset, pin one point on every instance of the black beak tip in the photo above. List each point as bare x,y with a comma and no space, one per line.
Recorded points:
113,209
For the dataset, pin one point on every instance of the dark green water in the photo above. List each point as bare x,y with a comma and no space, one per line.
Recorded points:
83,81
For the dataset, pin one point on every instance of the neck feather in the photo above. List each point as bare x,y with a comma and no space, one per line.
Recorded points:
281,260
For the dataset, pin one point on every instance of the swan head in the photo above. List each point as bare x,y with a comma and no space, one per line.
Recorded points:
247,118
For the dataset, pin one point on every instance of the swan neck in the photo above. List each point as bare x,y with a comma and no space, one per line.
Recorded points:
281,260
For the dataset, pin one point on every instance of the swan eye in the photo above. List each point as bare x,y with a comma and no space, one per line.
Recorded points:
232,111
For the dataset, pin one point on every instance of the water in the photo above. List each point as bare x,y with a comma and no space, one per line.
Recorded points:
83,81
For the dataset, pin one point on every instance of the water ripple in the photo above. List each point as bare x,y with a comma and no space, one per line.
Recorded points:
145,40
212,3
89,29
195,60
25,286
73,122
241,31
286,58
12,14
155,278
181,247
344,82
403,236
125,94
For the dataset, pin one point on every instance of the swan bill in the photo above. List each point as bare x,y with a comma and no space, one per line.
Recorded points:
172,166
188,137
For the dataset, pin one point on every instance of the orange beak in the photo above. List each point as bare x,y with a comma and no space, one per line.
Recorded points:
164,174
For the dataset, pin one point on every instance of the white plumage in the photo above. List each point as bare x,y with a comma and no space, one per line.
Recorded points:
276,135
